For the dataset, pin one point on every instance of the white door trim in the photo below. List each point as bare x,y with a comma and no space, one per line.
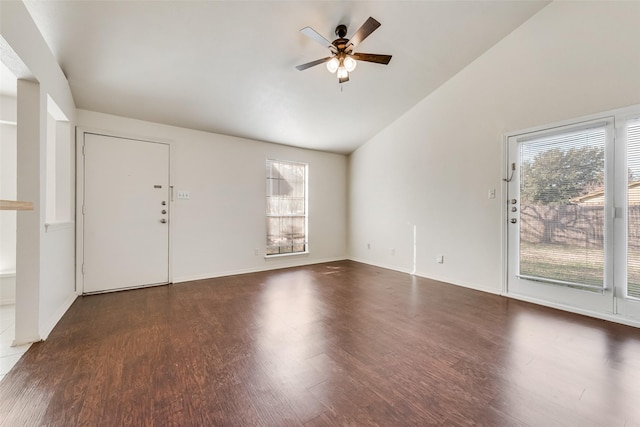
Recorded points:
80,134
619,113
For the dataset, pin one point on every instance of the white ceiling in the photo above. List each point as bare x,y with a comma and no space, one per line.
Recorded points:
229,66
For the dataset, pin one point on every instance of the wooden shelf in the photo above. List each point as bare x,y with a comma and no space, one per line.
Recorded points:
13,205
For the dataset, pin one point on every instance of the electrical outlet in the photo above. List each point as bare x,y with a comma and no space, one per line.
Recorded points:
183,195
492,193
256,251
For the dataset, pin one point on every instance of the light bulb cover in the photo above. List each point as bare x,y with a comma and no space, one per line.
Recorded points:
342,73
349,63
333,64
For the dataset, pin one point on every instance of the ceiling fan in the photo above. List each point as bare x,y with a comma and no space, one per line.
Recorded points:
343,59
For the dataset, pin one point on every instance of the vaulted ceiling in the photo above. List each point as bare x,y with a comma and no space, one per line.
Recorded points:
229,66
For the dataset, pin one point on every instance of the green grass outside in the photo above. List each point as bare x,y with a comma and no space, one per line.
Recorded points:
573,264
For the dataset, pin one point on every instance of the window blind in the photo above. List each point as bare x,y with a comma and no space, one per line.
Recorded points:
562,206
286,207
633,214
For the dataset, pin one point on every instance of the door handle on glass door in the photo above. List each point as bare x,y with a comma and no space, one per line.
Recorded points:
513,220
164,221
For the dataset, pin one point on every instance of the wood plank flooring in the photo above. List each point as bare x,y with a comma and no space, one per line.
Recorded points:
325,345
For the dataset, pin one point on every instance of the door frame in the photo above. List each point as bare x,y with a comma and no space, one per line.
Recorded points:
80,135
617,114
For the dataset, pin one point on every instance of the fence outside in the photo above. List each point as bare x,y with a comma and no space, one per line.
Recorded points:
575,235
571,225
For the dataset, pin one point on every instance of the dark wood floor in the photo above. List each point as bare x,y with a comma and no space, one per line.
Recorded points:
331,344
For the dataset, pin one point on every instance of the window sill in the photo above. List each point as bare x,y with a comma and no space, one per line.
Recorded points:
286,255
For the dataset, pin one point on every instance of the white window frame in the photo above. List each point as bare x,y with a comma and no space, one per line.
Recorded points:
306,209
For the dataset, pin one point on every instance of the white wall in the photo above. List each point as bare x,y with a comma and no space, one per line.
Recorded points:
7,192
7,183
216,231
45,261
434,166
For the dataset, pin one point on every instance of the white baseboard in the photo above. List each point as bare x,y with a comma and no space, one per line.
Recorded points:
48,326
460,283
385,266
446,280
603,316
28,341
183,279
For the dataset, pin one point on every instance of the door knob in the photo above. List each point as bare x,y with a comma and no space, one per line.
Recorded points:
514,201
164,221
164,203
164,211
513,220
514,209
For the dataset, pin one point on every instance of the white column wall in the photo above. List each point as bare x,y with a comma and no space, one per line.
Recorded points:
7,185
8,171
45,264
31,156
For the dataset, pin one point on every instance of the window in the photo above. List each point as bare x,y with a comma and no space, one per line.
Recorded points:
286,207
562,209
633,209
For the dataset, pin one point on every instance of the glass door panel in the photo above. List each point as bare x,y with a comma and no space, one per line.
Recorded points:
633,210
559,225
628,229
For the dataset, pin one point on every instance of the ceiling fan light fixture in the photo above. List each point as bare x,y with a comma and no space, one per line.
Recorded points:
333,64
343,59
349,63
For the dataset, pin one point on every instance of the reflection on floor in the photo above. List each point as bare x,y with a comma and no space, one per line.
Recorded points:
9,356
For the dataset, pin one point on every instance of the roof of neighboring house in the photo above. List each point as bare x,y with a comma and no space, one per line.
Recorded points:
597,197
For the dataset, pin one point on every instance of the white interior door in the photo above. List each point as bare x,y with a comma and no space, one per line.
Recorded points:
560,216
126,213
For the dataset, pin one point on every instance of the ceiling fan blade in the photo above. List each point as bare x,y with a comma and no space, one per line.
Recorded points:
313,63
363,32
314,35
372,57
